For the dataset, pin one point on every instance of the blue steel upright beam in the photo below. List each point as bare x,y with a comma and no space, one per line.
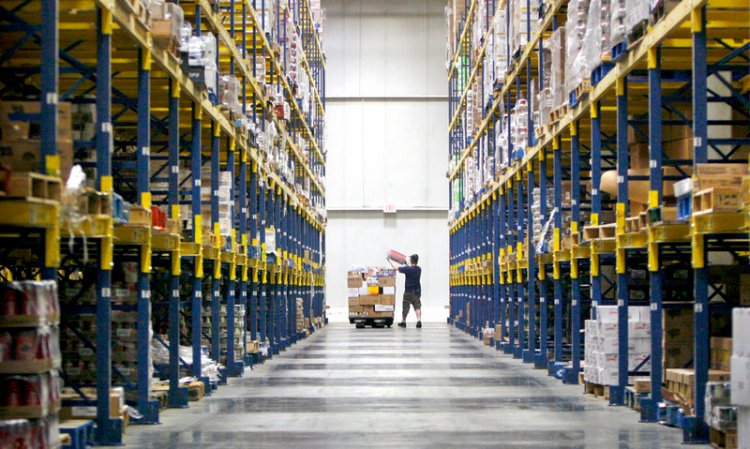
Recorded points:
495,259
696,430
541,360
649,405
617,392
50,68
255,285
149,409
216,264
242,218
234,366
108,431
571,375
178,398
511,347
531,275
502,217
197,301
558,362
520,234
596,202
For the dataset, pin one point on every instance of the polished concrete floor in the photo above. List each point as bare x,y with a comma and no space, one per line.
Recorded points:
398,388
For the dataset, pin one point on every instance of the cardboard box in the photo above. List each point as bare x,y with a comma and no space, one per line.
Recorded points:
354,280
355,309
14,125
388,299
88,412
353,292
354,301
387,281
368,300
25,155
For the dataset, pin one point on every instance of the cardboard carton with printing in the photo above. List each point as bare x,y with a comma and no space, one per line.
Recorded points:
372,296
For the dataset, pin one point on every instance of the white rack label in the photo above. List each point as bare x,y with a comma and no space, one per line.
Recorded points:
198,294
146,151
697,141
542,300
653,307
575,302
620,303
699,308
51,98
557,302
175,169
175,293
106,293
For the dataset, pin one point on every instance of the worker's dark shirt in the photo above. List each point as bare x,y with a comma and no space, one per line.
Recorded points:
413,273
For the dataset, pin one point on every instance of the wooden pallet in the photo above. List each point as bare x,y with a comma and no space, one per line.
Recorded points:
590,232
583,88
723,440
33,185
716,199
637,33
558,113
196,391
139,10
607,231
596,390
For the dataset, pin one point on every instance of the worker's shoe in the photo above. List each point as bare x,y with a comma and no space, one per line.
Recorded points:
402,324
419,324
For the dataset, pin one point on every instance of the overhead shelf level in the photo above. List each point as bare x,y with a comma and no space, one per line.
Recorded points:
597,170
195,135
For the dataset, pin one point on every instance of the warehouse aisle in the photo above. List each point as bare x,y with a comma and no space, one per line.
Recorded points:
395,388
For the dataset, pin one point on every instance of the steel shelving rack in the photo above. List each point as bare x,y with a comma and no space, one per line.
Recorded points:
537,301
154,125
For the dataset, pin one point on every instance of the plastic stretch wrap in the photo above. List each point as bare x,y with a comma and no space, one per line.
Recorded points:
618,21
637,13
575,32
557,67
590,55
501,44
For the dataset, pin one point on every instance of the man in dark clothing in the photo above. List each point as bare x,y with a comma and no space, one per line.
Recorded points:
412,289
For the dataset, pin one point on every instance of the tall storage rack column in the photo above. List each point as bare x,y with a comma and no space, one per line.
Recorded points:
585,127
189,237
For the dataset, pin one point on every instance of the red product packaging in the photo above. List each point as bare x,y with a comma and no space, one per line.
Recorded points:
397,257
26,345
6,346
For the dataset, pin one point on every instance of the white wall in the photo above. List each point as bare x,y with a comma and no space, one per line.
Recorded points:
387,142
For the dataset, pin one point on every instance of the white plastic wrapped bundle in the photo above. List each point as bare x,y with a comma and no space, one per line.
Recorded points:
501,44
544,100
229,93
575,32
557,69
590,55
524,20
605,26
618,22
521,128
637,13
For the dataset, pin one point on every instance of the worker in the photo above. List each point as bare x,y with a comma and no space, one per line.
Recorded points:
412,289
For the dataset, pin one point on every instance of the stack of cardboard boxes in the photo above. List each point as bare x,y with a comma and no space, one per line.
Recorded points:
372,294
602,348
20,139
